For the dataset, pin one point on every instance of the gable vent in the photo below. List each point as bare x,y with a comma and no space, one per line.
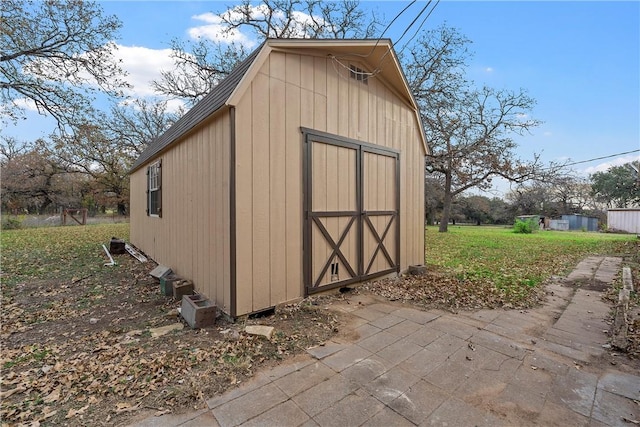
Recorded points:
359,74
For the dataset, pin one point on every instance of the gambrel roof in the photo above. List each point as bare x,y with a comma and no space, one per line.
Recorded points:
377,53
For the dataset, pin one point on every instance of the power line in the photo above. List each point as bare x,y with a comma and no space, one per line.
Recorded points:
599,158
383,32
336,59
407,30
390,23
413,22
420,27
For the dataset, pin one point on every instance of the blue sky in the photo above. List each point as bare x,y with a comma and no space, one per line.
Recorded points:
579,60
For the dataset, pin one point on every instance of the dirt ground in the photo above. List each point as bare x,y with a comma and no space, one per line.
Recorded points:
83,351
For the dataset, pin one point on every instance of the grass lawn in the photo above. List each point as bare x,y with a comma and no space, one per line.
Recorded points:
61,253
473,267
512,262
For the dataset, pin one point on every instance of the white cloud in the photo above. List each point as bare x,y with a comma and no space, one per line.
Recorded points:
547,134
175,105
489,69
216,31
618,161
143,65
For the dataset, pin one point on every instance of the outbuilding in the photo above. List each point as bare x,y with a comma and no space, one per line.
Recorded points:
627,220
302,171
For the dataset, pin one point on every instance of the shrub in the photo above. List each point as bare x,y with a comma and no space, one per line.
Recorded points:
525,227
12,224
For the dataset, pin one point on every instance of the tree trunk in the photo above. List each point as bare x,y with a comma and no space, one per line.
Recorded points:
446,210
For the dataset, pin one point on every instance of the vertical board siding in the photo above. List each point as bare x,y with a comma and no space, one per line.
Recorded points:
292,91
260,220
244,206
192,237
293,184
277,182
289,91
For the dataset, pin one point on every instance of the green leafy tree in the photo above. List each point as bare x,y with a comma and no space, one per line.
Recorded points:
433,197
476,209
618,187
57,55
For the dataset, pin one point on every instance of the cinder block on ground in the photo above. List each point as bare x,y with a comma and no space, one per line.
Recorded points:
166,284
198,311
116,246
417,270
182,288
160,271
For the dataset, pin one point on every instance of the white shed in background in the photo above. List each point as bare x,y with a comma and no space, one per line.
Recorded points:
624,220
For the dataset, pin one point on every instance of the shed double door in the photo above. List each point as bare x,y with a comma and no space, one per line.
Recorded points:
351,217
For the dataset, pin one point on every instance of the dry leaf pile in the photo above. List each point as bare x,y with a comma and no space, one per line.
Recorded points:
437,289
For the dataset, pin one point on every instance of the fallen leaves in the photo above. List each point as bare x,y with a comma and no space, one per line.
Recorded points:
439,289
126,407
52,397
74,412
7,393
77,341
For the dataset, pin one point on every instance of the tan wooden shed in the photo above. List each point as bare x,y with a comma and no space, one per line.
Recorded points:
302,171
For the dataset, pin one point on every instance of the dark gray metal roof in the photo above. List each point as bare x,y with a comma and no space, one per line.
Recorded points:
208,105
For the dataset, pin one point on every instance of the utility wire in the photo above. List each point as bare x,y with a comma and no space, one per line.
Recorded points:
413,22
389,25
597,158
383,33
377,70
419,28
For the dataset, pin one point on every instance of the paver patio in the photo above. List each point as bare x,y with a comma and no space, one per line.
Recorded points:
413,367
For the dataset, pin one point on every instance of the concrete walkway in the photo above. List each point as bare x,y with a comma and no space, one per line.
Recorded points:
411,367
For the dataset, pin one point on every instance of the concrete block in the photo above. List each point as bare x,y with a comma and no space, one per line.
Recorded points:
627,282
116,246
198,311
159,271
417,270
182,288
265,331
166,284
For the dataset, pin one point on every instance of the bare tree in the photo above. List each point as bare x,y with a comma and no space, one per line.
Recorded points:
314,19
572,194
10,148
200,65
105,147
135,124
56,54
32,180
469,130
